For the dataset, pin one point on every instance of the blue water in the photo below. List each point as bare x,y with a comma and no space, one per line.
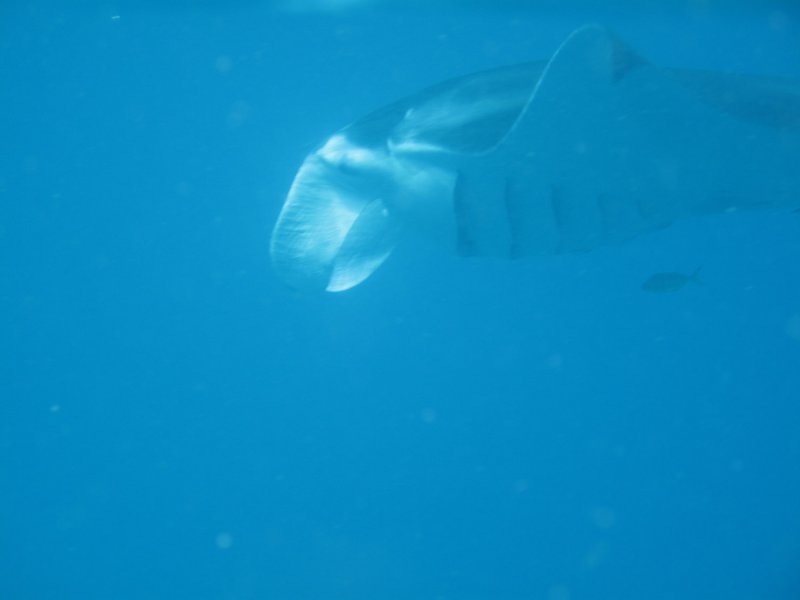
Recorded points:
175,423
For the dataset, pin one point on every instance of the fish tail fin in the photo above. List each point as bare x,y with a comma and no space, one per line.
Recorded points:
695,276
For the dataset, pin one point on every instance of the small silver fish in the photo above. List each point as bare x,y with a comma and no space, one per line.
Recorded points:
664,283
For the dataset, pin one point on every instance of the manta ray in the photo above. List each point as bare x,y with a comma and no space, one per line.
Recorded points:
592,147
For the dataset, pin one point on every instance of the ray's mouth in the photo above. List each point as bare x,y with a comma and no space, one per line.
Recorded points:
335,228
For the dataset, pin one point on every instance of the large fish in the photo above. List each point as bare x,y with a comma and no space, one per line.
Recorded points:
590,148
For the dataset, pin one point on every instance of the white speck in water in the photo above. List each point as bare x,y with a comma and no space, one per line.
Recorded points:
778,20
224,540
603,517
555,361
428,415
558,592
736,465
223,64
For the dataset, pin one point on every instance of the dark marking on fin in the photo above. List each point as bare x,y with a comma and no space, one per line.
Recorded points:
624,60
767,101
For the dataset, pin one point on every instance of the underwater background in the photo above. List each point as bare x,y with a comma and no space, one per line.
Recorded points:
177,423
